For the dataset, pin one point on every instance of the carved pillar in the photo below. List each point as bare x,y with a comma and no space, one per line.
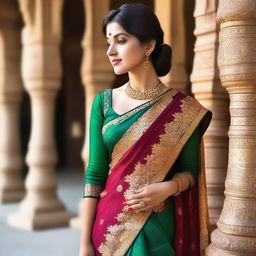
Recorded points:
209,92
11,183
41,71
96,71
171,16
236,233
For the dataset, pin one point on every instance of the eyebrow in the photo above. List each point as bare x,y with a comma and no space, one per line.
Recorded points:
118,35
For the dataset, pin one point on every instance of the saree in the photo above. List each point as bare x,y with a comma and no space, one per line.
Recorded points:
144,155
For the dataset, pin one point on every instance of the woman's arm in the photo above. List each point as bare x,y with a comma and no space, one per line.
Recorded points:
88,211
95,176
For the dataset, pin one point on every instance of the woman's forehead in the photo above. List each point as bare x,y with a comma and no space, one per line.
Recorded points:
114,29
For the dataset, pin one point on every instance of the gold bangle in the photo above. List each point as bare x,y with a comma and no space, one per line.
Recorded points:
190,179
179,186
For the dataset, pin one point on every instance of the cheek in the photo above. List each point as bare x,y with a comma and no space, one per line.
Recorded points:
133,56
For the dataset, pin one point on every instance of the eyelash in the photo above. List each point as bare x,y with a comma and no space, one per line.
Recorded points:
119,41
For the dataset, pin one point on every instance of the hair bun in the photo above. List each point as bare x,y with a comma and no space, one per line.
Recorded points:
162,59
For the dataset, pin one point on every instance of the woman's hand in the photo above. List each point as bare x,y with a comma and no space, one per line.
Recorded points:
87,250
150,196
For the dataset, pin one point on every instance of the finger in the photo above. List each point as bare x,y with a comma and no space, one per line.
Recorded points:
142,209
139,190
135,196
132,202
137,207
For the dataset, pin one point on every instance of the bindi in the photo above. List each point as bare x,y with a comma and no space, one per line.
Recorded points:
109,34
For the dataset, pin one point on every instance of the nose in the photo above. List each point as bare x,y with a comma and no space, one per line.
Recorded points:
111,50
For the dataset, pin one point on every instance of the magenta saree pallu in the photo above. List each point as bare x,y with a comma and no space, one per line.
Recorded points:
144,155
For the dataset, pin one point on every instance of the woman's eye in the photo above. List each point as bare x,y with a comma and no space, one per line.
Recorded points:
121,41
107,44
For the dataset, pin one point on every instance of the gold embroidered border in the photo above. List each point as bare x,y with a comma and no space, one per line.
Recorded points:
139,127
155,169
92,190
106,100
130,113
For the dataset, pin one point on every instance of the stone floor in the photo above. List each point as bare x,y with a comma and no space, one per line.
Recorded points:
54,242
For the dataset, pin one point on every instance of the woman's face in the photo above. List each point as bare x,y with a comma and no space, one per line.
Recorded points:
125,52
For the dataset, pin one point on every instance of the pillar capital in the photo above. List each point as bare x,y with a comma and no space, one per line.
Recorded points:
42,20
41,36
236,10
237,54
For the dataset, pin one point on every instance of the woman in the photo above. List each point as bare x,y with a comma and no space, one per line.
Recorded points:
144,150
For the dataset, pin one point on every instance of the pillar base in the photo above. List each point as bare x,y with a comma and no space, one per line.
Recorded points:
76,223
224,244
11,196
35,221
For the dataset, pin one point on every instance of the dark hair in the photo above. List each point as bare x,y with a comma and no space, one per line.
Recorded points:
140,21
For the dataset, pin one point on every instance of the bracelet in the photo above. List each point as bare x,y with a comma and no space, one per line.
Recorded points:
179,186
190,179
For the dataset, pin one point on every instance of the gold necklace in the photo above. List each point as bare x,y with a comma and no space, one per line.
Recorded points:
147,94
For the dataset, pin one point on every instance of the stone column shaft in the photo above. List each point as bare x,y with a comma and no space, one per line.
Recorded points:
236,232
96,71
11,183
209,92
171,16
41,71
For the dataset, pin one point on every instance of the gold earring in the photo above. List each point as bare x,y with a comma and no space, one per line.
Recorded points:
147,63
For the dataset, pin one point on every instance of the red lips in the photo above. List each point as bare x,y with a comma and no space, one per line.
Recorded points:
115,61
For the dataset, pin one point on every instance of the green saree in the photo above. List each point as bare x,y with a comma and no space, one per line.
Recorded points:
106,129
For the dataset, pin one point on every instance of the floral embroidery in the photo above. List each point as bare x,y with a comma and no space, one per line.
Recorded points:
103,193
92,190
119,188
177,132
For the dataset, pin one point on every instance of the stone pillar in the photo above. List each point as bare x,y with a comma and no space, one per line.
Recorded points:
236,233
41,72
171,16
208,91
96,71
11,183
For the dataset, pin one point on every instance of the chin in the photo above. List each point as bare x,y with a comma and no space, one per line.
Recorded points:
120,72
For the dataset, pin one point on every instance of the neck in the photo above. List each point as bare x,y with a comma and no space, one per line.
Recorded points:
142,80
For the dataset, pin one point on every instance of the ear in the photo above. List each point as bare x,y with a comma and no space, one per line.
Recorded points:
150,46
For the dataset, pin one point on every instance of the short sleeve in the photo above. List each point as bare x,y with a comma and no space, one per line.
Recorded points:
98,166
188,160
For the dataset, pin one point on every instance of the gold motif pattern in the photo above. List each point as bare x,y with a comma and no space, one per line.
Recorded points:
139,127
119,188
106,100
92,190
156,167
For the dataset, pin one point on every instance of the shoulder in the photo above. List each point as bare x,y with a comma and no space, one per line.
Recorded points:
101,96
102,101
190,100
